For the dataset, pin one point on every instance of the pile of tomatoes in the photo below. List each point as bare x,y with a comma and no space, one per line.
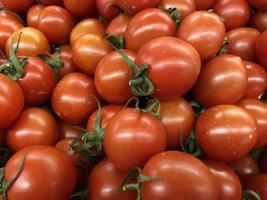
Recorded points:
133,99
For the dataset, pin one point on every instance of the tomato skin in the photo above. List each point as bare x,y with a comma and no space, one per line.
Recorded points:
72,98
258,110
192,28
222,140
106,10
18,6
33,15
119,25
235,13
259,20
88,50
261,50
12,101
229,183
130,129
67,130
6,14
32,42
260,4
147,25
170,77
204,5
258,183
242,42
257,80
38,81
88,25
104,181
51,2
177,172
112,77
34,126
80,8
47,171
177,117
56,18
107,113
217,78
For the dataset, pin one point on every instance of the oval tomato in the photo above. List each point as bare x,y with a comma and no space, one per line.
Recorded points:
119,25
261,51
67,130
80,8
19,6
258,183
33,15
259,20
204,5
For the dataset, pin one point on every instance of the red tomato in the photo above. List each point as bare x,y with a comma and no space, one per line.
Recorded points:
33,15
88,50
112,77
223,80
146,25
235,13
257,80
19,6
259,20
51,2
226,132
261,50
205,31
104,182
242,42
67,130
228,181
47,173
204,5
12,101
128,130
80,8
118,25
72,98
106,9
258,183
171,77
260,4
258,110
32,42
55,18
107,113
34,126
181,176
6,14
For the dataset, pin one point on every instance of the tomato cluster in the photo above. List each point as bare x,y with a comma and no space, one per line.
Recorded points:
133,99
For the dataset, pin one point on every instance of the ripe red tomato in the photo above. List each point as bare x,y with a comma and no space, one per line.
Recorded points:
181,176
259,20
261,50
81,8
112,77
171,77
51,2
106,9
223,80
7,14
104,182
242,42
226,132
146,25
72,98
258,110
55,18
47,173
32,42
197,23
257,80
128,130
235,13
33,15
260,4
19,6
228,181
258,183
67,130
34,126
204,5
12,101
119,25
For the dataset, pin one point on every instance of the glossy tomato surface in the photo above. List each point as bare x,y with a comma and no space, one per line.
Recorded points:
19,6
119,25
261,51
33,15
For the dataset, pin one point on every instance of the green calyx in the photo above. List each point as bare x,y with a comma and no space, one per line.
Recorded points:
198,109
192,145
118,42
153,108
175,15
249,194
224,47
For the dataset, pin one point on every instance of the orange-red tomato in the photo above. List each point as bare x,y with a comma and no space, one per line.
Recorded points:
33,15
119,25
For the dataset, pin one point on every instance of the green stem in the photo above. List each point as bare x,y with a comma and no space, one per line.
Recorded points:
224,47
192,145
118,42
175,15
248,194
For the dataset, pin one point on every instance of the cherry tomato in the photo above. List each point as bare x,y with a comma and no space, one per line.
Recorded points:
259,20
34,126
228,181
204,5
107,113
47,173
89,25
19,6
51,2
67,130
258,110
261,49
181,176
223,80
128,130
260,4
7,14
263,163
32,42
205,31
257,80
112,77
118,25
258,183
56,23
72,98
242,42
106,9
80,8
226,132
235,13
171,77
104,182
33,15
12,101
88,50
146,25
185,7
